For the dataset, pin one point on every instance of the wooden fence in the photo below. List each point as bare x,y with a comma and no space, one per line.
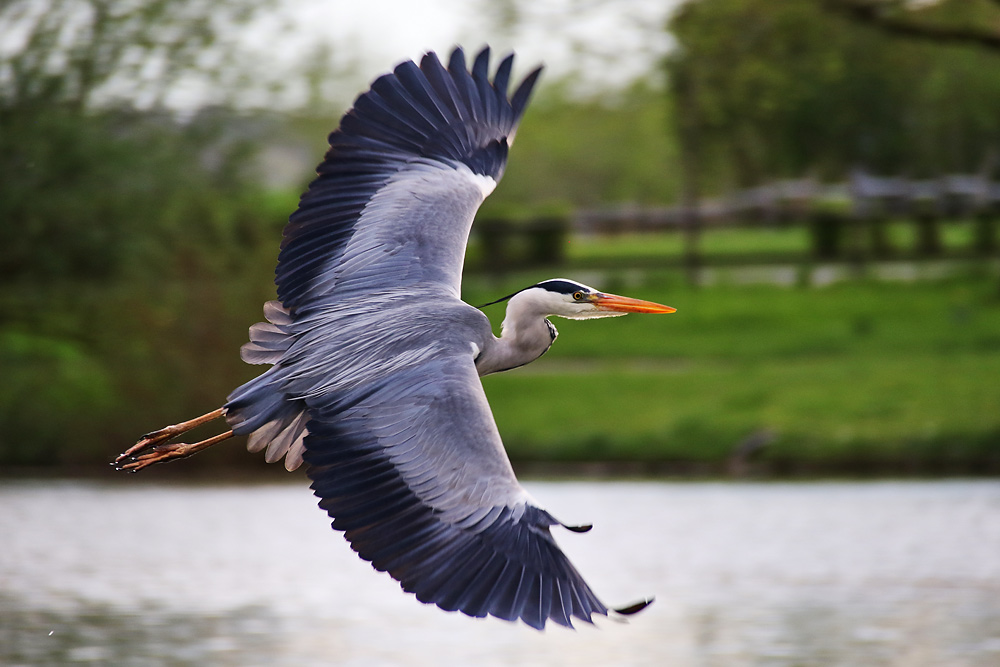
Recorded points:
847,222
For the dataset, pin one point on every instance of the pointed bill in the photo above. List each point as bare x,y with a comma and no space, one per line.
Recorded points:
624,304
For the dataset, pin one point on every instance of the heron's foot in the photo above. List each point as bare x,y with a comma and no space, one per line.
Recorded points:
152,448
148,454
147,443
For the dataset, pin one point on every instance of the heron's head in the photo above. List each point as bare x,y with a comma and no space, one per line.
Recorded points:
576,301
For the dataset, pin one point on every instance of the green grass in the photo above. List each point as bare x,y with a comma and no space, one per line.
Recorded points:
717,242
734,241
857,376
854,377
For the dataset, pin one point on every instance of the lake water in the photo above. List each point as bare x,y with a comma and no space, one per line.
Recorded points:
144,573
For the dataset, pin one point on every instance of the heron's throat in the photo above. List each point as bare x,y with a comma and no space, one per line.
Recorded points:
553,333
532,336
520,343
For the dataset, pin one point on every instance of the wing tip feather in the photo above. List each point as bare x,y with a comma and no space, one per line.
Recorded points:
584,528
635,607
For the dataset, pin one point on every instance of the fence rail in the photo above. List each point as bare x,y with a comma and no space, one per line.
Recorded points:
862,197
846,221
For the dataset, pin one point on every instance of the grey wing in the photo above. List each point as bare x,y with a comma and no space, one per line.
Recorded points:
407,169
412,469
390,209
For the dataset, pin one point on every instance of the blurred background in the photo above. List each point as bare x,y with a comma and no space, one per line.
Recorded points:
813,184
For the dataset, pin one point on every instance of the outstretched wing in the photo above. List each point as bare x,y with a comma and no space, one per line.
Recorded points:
406,171
412,469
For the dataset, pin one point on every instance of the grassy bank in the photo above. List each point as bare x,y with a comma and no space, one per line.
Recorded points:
855,377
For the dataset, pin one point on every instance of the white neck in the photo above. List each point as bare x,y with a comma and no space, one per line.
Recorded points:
525,336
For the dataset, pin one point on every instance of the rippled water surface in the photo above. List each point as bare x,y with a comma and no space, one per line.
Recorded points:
140,573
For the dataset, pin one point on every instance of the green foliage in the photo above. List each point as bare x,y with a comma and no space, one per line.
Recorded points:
81,196
966,22
122,237
103,208
51,389
783,88
589,153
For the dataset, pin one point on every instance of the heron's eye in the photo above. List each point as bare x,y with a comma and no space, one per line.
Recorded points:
577,296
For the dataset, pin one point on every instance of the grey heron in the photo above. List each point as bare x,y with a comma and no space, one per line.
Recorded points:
375,360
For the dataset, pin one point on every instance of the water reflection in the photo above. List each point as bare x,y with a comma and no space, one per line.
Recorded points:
138,573
104,635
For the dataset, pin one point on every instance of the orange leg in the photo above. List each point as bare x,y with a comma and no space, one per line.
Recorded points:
153,447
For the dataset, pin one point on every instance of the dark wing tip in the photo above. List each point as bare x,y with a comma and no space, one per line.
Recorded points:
579,529
481,64
456,61
635,607
519,101
439,111
502,77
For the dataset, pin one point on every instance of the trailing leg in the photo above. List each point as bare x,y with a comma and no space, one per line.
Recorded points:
166,452
151,448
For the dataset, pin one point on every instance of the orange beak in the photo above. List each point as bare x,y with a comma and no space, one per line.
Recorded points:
624,304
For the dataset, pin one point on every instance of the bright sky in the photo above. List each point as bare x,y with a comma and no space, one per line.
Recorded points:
600,43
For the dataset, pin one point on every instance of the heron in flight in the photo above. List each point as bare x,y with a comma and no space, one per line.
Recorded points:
375,359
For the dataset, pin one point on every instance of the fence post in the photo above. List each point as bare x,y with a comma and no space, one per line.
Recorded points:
827,234
689,128
878,236
495,235
925,204
985,241
692,238
862,209
547,240
928,232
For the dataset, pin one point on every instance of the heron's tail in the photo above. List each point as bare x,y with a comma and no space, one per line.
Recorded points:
273,419
269,340
260,408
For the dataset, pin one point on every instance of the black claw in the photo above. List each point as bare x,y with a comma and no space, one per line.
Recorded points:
579,529
635,608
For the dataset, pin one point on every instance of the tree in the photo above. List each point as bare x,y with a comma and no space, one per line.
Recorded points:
779,88
772,84
78,161
81,54
971,22
105,198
